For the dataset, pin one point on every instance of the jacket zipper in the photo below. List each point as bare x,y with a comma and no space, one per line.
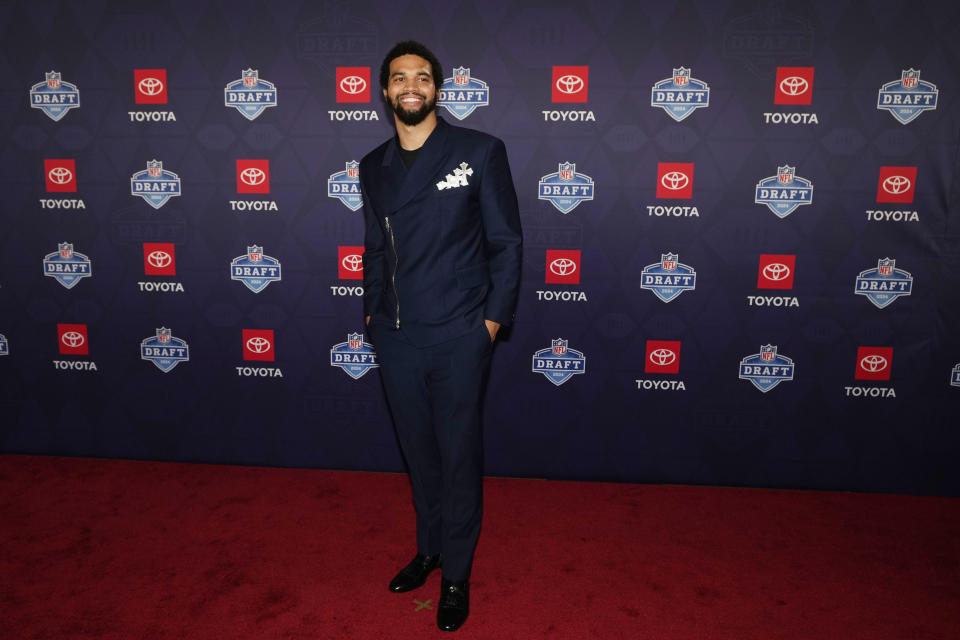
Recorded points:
396,265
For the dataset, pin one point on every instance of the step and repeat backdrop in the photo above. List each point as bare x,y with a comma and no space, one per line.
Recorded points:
741,258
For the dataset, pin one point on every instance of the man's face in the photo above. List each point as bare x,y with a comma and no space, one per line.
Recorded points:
410,89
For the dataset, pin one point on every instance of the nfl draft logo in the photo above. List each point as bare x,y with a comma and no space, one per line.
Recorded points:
255,269
668,278
164,350
884,284
250,95
4,346
345,186
67,266
461,94
155,184
680,95
784,192
54,96
559,362
766,369
566,188
354,356
954,375
908,97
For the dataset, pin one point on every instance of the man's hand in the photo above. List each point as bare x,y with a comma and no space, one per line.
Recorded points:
492,327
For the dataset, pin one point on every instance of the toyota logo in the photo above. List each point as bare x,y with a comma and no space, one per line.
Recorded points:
72,339
896,184
674,180
150,86
253,176
569,84
353,84
258,344
776,271
563,267
60,175
352,262
873,363
794,86
159,259
662,357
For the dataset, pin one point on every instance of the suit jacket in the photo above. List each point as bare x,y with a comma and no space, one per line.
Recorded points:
440,258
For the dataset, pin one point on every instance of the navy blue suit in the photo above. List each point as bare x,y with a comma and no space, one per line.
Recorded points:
442,253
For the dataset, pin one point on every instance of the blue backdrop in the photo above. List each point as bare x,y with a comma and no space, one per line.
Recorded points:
682,120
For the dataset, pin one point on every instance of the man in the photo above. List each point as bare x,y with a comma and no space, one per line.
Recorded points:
441,272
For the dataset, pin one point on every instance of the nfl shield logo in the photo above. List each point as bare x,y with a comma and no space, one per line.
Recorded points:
163,335
66,250
768,352
885,266
250,78
785,174
53,80
681,77
669,261
255,253
355,340
461,76
567,171
353,169
559,346
910,79
155,168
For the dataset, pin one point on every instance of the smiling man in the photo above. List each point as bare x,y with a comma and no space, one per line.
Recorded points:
441,273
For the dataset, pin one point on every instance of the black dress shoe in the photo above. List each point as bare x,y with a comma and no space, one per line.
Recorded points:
414,574
454,604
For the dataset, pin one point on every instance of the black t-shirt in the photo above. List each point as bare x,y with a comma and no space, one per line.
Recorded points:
408,156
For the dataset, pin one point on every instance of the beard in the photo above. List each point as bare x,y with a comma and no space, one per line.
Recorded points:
413,118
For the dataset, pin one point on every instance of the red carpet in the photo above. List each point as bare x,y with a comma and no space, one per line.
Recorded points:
156,551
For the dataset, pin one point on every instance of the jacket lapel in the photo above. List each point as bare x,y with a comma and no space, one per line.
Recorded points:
429,162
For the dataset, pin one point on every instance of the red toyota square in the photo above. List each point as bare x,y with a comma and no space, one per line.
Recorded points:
874,363
675,180
794,85
570,84
896,184
350,263
72,339
258,345
776,271
563,266
663,356
353,84
150,86
60,174
253,176
159,259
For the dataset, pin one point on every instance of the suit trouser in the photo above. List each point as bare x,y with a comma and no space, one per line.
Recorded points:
435,395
